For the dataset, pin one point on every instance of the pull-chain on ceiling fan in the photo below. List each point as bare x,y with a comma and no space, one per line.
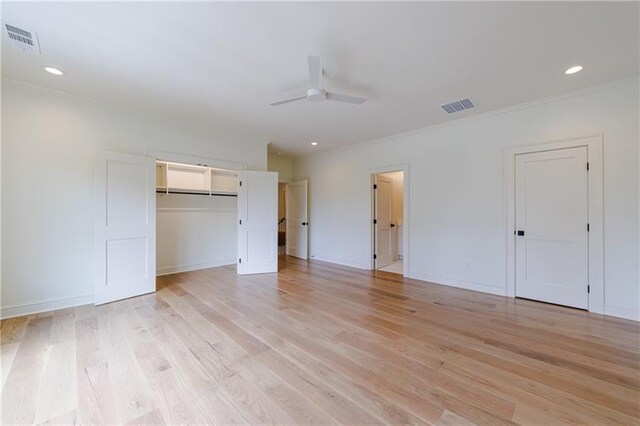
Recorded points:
316,92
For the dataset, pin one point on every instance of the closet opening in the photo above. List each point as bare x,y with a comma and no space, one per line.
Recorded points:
196,217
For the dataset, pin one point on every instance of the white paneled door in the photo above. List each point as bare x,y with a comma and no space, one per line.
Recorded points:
125,226
551,227
383,187
257,222
297,221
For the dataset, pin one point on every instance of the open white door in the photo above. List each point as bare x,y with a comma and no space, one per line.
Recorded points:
257,222
551,227
382,221
297,222
125,229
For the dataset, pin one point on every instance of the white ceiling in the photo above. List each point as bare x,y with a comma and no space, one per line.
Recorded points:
222,63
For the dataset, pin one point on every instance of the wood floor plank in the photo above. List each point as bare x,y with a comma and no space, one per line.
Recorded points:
20,393
431,328
170,395
554,396
63,326
13,329
96,392
133,397
345,400
7,355
57,393
294,404
319,344
192,378
252,402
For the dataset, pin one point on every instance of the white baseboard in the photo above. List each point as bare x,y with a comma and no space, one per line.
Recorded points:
626,313
343,262
28,308
614,311
484,288
39,306
166,270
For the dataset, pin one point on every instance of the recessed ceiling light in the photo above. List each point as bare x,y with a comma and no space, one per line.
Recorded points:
314,143
52,70
574,70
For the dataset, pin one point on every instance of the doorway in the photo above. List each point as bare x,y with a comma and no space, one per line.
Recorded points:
388,221
587,166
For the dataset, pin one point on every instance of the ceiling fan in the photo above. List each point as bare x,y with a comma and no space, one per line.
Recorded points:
316,93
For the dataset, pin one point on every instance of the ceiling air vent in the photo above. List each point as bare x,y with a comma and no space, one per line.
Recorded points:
22,39
456,106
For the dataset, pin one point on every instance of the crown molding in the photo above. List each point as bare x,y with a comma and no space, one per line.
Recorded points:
465,120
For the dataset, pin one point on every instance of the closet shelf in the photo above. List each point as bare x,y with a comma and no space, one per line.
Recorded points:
196,192
173,178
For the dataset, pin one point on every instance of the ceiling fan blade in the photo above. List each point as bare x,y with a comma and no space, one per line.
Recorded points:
315,72
286,101
345,98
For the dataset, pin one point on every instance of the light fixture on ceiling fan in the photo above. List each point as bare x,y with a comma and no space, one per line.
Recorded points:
316,93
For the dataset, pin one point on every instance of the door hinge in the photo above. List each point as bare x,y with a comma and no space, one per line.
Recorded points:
588,289
375,256
375,186
240,222
588,228
375,221
240,260
240,183
587,166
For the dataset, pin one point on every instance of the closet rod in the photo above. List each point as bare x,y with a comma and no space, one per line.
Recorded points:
196,193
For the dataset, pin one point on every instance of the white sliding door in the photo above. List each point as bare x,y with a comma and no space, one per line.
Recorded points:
297,221
551,227
257,222
125,226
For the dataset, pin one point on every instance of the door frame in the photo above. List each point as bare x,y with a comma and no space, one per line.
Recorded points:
595,237
194,160
404,168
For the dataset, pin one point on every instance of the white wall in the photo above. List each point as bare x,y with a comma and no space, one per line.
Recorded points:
457,202
49,146
282,165
195,232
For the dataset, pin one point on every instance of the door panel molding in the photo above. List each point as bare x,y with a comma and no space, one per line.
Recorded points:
594,145
257,222
125,226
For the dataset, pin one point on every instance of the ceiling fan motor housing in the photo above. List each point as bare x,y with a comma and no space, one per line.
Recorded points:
316,95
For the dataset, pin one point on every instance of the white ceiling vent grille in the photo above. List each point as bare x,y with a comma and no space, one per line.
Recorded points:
22,39
456,106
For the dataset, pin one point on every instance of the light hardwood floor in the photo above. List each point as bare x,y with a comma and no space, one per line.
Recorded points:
319,344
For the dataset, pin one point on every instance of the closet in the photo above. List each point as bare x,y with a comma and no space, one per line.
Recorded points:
196,217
